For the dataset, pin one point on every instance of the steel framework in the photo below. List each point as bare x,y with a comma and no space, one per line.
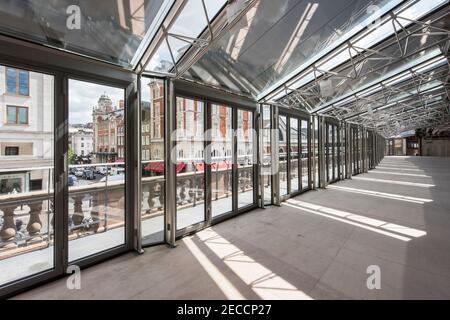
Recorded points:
396,85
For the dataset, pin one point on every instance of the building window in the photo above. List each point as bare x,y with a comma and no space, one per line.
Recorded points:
11,151
17,115
17,81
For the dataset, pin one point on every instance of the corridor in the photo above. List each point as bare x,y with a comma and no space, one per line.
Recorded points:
319,245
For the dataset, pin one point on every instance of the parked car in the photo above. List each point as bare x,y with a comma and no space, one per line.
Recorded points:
88,174
79,173
72,180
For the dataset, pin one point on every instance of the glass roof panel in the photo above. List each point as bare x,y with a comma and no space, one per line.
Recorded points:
275,38
370,65
115,31
190,23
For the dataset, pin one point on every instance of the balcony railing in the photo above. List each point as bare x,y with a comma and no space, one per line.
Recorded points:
27,219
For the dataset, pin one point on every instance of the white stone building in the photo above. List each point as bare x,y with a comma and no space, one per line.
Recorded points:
26,130
82,141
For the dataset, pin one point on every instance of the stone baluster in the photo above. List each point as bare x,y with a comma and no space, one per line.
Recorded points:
217,183
183,192
177,192
151,195
8,230
191,190
200,186
34,225
78,214
242,180
95,212
226,182
161,196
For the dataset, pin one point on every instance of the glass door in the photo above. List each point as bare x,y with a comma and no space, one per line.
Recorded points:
332,152
294,151
221,148
283,155
266,155
29,214
152,161
305,154
190,164
96,168
246,147
294,174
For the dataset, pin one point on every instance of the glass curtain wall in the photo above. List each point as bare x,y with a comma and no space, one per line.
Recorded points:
266,156
294,155
282,154
294,171
356,149
332,152
305,154
190,166
221,149
27,140
328,152
316,151
152,160
96,178
246,147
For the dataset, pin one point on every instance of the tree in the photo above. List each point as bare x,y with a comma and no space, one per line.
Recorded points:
71,155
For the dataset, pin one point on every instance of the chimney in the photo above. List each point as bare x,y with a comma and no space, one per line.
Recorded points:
121,104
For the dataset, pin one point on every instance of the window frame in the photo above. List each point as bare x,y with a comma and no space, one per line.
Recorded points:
17,85
11,147
17,121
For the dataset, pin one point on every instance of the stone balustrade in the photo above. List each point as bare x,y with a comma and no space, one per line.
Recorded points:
28,217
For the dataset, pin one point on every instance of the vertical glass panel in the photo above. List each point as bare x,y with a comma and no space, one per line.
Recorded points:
12,115
354,158
282,154
245,157
23,115
294,155
23,82
305,154
342,144
11,80
27,183
96,178
266,154
359,150
335,153
189,24
152,160
190,168
221,160
316,151
113,31
330,152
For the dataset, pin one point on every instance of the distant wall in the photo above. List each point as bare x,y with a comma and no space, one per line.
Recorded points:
438,147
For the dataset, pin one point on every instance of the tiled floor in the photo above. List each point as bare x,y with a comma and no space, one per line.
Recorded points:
319,245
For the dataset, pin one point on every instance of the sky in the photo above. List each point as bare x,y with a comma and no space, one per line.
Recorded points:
84,95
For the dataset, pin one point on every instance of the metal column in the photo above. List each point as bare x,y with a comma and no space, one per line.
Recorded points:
170,159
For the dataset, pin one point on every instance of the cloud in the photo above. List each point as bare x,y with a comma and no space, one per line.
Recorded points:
84,95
